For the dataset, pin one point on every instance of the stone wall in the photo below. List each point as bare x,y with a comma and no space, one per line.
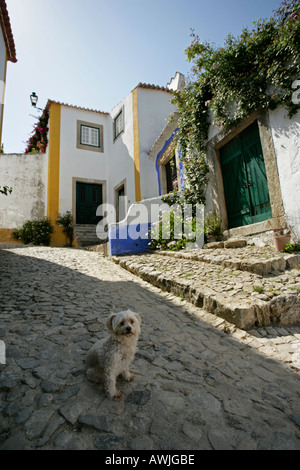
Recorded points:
27,175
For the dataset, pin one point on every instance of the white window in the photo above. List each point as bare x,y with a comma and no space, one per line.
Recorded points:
90,136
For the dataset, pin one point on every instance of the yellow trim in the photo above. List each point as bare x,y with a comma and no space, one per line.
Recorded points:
57,238
2,105
6,236
136,146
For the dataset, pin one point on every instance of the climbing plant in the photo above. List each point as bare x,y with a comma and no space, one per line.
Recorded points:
38,142
253,71
5,190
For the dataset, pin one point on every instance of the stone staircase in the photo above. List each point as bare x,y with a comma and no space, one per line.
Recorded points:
85,235
246,285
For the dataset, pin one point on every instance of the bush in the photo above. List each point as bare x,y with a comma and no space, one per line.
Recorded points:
37,232
291,247
213,226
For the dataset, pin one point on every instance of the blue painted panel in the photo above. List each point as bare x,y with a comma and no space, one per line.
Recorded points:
122,242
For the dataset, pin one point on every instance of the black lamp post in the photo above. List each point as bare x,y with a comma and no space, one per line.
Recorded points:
34,99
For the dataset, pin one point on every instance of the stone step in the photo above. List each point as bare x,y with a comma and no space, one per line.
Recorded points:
244,298
86,235
249,259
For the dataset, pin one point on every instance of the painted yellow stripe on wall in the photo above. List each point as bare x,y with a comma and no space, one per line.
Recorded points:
53,162
136,146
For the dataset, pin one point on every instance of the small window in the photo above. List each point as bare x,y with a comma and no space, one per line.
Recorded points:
119,124
89,136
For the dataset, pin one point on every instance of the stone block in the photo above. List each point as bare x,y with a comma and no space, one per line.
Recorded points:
292,261
241,314
235,243
285,309
214,245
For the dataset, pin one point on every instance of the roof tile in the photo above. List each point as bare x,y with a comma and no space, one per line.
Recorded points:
7,32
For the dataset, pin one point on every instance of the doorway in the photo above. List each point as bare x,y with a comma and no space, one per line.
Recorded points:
120,203
88,198
245,180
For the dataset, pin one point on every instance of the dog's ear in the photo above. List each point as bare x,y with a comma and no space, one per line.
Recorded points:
110,320
138,318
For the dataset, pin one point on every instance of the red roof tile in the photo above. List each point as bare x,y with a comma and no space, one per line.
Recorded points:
153,87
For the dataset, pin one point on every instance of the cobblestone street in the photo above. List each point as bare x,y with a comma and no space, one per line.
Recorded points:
199,383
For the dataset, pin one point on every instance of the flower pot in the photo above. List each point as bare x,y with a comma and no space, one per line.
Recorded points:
280,241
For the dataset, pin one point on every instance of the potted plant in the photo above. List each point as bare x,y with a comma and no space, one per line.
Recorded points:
282,237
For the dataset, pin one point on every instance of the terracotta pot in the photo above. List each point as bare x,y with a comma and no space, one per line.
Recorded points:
280,241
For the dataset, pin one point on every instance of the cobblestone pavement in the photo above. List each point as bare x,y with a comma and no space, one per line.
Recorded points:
200,383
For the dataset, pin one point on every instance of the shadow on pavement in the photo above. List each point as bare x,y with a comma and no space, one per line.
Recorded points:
196,387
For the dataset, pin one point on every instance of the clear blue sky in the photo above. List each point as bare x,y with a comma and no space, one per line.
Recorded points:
92,53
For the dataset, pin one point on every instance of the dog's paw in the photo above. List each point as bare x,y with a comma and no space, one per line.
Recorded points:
128,376
117,396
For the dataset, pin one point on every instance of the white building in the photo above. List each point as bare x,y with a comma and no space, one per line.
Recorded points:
92,158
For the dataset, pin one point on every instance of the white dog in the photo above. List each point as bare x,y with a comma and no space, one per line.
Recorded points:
110,357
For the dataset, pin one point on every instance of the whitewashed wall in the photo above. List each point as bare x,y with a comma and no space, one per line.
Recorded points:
154,108
75,162
286,140
121,161
27,175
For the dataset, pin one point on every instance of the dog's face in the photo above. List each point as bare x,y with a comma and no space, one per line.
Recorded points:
125,323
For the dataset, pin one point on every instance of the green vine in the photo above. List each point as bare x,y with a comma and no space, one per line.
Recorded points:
254,71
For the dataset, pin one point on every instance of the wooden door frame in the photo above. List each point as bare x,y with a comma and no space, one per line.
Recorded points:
76,180
216,179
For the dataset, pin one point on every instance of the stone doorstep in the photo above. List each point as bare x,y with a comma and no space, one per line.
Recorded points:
282,310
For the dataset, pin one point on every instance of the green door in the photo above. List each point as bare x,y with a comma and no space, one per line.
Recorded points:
245,180
88,198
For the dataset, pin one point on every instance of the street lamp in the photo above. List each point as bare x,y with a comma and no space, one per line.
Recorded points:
34,99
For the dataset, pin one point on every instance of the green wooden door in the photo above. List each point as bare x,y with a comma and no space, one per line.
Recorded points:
245,181
88,198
